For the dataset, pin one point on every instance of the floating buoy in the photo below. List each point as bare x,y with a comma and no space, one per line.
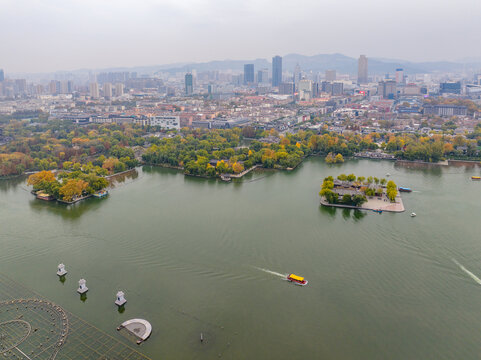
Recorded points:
61,270
201,337
82,287
120,300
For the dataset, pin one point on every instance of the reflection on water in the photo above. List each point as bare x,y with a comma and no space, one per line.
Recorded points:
468,164
118,179
347,214
7,184
67,212
200,180
358,215
331,211
160,171
426,168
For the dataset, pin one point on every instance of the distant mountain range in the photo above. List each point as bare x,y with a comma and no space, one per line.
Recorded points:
315,63
338,62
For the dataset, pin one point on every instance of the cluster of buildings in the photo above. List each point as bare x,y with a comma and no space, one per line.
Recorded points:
265,97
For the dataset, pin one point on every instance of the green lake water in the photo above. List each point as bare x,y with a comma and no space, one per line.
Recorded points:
201,256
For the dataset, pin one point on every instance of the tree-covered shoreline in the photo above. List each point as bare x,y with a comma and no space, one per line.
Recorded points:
56,145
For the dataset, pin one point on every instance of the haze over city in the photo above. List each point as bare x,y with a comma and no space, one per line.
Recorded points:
51,35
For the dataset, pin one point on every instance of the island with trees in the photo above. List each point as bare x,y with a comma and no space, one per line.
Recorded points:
359,192
68,186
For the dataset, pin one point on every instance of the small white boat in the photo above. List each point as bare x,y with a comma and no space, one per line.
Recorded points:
388,174
413,214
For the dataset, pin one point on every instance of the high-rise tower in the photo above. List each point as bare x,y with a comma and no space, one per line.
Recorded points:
399,76
248,74
94,90
189,84
362,70
276,70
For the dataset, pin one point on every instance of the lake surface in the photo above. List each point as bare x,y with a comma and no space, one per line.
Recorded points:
195,255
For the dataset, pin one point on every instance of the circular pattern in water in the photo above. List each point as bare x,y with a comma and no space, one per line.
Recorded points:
13,333
33,327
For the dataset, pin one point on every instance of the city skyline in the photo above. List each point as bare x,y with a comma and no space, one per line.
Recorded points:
125,34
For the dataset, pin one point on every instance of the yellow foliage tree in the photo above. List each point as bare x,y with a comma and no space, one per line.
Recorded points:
268,154
285,141
37,178
448,148
339,158
237,167
72,189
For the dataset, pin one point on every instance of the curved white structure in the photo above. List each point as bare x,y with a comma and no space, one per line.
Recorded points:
139,327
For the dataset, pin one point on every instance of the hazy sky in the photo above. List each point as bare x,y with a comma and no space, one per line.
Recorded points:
48,35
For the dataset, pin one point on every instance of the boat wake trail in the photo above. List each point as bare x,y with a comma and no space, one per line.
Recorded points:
272,272
471,275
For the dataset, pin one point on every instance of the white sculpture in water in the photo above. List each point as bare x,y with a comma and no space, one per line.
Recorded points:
61,270
82,287
120,299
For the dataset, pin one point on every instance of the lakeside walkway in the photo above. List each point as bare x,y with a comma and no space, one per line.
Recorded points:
239,175
228,177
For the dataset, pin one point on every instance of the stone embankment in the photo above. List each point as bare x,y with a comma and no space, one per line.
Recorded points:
373,203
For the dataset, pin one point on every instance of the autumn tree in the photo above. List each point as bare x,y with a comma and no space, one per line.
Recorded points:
41,177
72,188
237,167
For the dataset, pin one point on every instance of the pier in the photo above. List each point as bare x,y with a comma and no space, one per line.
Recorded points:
228,177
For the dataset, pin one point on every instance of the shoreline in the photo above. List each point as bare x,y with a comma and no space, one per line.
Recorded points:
74,201
108,177
396,207
447,162
406,162
233,176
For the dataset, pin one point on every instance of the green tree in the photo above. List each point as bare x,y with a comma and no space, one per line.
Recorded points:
346,199
358,200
